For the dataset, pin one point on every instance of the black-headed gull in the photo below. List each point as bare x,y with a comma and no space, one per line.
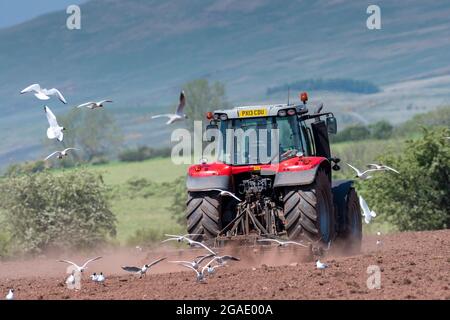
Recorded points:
83,267
225,193
55,131
320,265
282,243
142,270
94,276
191,242
381,167
10,295
196,262
100,278
178,115
59,154
367,213
363,175
42,93
94,105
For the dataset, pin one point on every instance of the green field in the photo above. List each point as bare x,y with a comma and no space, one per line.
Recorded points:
141,213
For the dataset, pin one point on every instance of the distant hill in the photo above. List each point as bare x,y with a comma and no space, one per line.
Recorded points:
335,85
139,53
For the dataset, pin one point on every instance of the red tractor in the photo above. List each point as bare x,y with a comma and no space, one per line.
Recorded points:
287,192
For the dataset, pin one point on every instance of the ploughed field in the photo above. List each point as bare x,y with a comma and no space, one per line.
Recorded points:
412,265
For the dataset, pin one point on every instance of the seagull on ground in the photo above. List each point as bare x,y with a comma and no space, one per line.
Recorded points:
10,295
225,193
42,93
100,278
94,277
142,270
195,263
179,238
282,243
60,154
178,115
55,131
363,175
320,265
83,267
201,273
94,105
367,213
381,167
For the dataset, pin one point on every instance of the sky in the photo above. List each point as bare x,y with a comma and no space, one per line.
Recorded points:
13,12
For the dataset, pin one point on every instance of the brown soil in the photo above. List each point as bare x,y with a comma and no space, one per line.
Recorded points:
414,265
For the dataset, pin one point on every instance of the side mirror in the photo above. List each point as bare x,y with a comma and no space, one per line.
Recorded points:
210,130
332,125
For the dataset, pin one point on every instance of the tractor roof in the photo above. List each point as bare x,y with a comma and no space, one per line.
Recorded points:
260,110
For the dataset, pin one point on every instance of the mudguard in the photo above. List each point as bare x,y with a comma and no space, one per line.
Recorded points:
299,178
340,189
207,182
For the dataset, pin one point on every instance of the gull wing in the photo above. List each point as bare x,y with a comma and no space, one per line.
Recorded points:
87,105
89,261
373,166
104,101
167,115
51,117
192,242
51,155
131,269
356,170
296,243
190,267
34,87
70,262
181,104
391,169
363,205
54,91
171,239
227,257
202,258
65,150
155,262
270,240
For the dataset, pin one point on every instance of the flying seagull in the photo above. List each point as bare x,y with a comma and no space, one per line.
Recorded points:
225,193
195,263
362,175
320,265
143,270
282,243
42,93
10,295
179,238
191,242
83,267
59,154
381,167
55,131
94,105
178,115
367,213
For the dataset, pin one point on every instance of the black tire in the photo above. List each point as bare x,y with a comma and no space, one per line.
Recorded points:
309,211
203,214
352,231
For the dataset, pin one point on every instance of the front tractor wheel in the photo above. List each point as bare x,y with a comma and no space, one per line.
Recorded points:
309,211
203,214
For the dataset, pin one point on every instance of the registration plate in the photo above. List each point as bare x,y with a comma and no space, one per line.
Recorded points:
252,113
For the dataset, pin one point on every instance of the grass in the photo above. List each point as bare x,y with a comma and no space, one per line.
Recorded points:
140,213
